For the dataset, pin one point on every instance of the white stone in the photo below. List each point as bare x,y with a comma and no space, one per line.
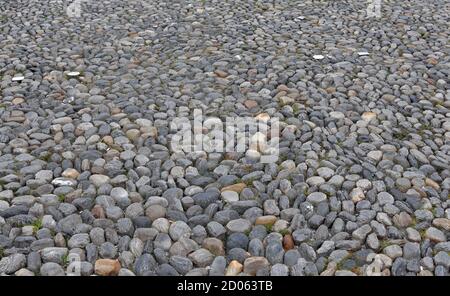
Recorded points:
99,180
364,184
337,115
73,73
357,195
48,222
375,155
18,78
177,172
3,205
44,175
64,182
143,122
28,230
230,196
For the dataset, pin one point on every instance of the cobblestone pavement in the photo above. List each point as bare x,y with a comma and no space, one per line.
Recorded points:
89,182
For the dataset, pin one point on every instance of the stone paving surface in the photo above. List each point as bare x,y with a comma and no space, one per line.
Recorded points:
90,185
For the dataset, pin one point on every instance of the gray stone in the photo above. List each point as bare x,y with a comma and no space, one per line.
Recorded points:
54,254
182,264
12,263
239,225
79,240
274,253
201,257
145,264
393,251
51,269
316,198
411,251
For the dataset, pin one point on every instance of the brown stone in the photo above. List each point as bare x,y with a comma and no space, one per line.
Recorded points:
282,87
425,273
98,212
234,268
432,61
288,242
115,111
18,101
108,140
59,240
266,220
368,116
238,187
58,137
286,100
70,173
149,131
388,97
419,191
98,170
330,90
250,104
264,117
155,211
432,184
442,223
133,134
214,245
71,196
331,269
107,267
221,74
253,264
402,220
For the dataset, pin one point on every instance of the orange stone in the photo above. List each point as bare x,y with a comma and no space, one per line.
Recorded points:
234,268
368,116
221,74
70,173
238,187
264,117
107,267
288,242
432,183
